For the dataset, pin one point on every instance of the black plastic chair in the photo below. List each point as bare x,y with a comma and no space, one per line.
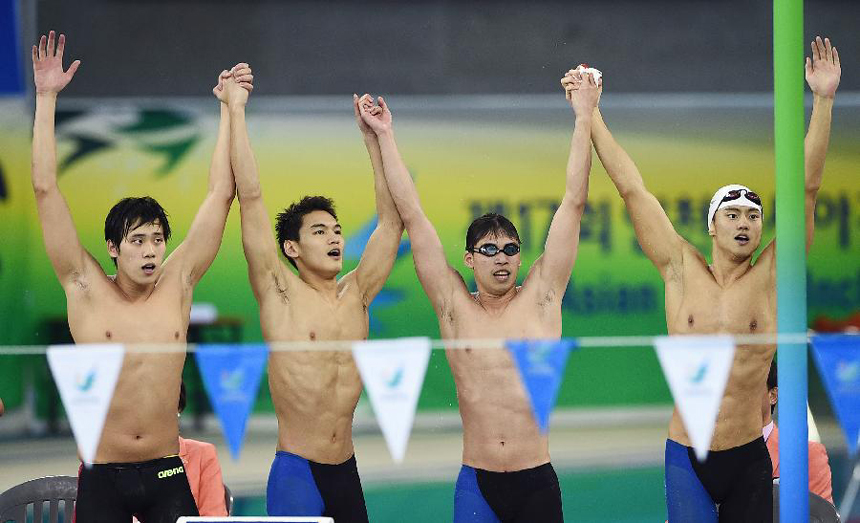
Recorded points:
51,489
820,510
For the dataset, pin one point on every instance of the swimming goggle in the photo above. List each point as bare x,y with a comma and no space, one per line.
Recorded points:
734,194
491,249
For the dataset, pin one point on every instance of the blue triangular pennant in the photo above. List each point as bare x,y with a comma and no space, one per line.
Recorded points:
541,365
231,376
838,359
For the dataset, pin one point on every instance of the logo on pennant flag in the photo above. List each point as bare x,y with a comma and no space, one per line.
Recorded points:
393,373
541,365
231,376
86,376
697,370
838,359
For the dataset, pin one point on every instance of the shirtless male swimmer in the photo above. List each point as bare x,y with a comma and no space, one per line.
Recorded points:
315,392
147,302
732,295
506,473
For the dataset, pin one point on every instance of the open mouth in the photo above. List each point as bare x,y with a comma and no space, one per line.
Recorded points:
334,253
149,269
743,239
502,275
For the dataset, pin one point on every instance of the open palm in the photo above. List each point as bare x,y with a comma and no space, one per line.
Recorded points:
48,72
823,70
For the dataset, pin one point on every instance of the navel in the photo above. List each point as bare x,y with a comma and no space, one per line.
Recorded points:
108,335
312,335
176,335
753,324
690,320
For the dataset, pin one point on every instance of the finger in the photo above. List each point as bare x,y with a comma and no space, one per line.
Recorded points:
382,103
808,66
35,55
248,87
61,46
241,72
814,50
828,49
224,74
42,44
355,104
366,99
73,69
52,36
249,78
836,58
820,45
375,111
240,65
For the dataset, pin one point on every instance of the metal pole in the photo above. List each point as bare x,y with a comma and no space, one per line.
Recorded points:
790,257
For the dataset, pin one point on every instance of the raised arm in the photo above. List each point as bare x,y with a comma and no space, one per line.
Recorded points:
261,249
653,228
823,72
71,262
436,276
555,265
201,244
381,250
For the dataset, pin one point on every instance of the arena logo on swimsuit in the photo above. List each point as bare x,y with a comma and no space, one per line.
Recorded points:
170,472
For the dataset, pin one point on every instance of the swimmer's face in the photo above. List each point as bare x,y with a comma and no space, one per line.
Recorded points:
769,398
494,274
320,245
737,230
141,253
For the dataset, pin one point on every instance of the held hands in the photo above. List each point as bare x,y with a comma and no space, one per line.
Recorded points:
823,70
48,72
582,91
376,118
234,85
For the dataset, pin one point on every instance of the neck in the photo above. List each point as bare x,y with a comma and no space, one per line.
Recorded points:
133,291
495,302
326,285
727,268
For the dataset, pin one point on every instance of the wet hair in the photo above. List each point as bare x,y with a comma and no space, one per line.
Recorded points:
771,380
290,221
182,396
130,213
493,223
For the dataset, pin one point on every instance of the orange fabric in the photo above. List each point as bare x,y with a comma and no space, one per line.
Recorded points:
204,476
819,468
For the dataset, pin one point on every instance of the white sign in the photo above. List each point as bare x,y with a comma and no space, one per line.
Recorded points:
697,369
393,373
86,376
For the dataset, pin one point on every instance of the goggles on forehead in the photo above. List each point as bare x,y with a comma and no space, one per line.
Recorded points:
737,193
491,249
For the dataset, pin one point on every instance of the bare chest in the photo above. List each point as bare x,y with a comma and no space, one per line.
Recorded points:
308,317
744,307
105,317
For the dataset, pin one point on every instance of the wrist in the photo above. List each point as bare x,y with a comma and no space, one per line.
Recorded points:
387,132
51,95
585,117
236,107
819,98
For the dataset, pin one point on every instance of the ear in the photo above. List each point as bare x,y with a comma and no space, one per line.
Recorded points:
112,249
469,260
292,248
774,395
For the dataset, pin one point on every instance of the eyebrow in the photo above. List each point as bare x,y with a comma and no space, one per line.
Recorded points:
324,225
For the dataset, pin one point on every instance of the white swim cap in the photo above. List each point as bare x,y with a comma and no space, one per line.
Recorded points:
740,201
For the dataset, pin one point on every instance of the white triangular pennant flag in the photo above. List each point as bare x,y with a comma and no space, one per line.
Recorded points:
86,376
393,373
697,369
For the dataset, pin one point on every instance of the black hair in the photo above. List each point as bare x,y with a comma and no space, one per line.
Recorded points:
290,221
182,396
771,380
130,213
490,223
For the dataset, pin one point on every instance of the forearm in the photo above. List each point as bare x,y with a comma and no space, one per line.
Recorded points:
619,166
221,181
817,141
242,157
385,207
399,182
579,163
44,160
